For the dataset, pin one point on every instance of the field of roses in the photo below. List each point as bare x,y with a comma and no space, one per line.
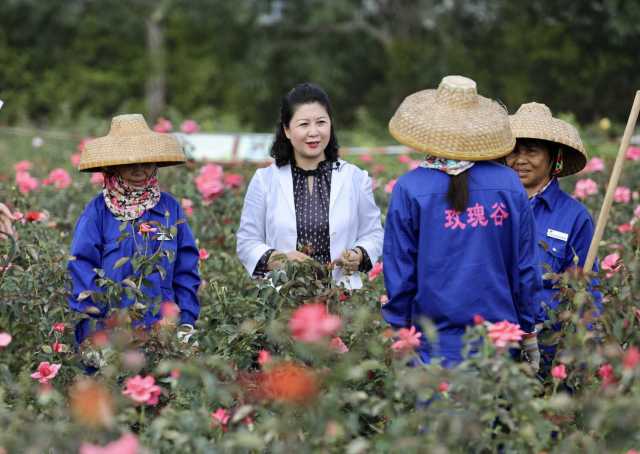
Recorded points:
294,364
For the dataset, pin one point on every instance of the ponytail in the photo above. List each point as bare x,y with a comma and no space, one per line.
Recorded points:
458,194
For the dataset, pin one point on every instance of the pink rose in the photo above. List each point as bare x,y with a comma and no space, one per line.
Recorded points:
388,188
413,164
559,372
443,387
46,372
264,357
213,171
622,194
610,264
233,180
504,333
97,178
625,228
404,159
384,299
23,166
220,417
75,159
594,165
375,271
58,327
127,444
143,228
408,339
636,212
5,339
189,127
632,153
210,182
203,254
584,188
82,145
366,158
312,323
26,183
338,345
169,309
187,206
605,372
142,390
631,358
478,319
163,125
59,178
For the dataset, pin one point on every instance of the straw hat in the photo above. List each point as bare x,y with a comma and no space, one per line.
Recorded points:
453,122
534,121
130,141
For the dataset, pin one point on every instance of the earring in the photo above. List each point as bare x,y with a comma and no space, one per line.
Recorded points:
559,164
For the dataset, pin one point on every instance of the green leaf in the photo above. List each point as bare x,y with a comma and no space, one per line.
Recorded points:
84,295
120,262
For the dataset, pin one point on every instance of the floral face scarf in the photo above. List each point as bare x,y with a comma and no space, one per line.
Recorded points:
128,202
448,166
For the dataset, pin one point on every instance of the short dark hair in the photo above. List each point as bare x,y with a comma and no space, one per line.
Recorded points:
306,93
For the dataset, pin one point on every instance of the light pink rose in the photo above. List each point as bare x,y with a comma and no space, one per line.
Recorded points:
203,254
46,372
187,206
142,390
264,357
97,178
59,178
366,158
233,180
585,188
220,417
610,264
189,127
504,333
312,323
75,159
408,339
338,345
163,125
404,159
127,444
26,183
632,153
5,339
594,165
622,194
23,166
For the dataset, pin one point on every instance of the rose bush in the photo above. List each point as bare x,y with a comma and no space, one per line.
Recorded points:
270,374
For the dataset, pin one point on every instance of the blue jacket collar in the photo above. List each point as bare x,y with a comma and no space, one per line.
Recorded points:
550,194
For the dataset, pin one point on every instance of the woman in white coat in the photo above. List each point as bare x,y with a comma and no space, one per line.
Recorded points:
309,204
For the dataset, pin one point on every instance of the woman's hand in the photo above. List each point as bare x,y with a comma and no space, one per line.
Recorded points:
350,260
6,219
276,258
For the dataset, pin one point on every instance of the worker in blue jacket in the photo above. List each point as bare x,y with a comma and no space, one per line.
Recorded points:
129,157
546,149
459,233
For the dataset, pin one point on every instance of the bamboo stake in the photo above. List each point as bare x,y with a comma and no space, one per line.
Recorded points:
613,184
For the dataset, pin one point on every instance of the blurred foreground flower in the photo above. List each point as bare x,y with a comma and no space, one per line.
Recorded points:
338,345
91,404
559,372
127,444
142,390
504,333
289,383
312,323
46,372
408,340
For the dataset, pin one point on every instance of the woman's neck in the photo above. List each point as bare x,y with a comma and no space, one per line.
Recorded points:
309,163
531,191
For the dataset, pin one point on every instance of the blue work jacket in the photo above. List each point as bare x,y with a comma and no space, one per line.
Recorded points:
450,266
564,229
95,245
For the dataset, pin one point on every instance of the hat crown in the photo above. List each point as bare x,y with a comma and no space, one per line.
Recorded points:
535,108
128,125
457,91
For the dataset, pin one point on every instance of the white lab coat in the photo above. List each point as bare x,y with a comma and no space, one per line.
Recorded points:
269,219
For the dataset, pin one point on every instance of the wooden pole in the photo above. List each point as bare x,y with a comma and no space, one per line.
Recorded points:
613,184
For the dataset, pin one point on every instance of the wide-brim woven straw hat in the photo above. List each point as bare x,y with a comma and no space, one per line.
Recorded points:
535,121
453,122
130,141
